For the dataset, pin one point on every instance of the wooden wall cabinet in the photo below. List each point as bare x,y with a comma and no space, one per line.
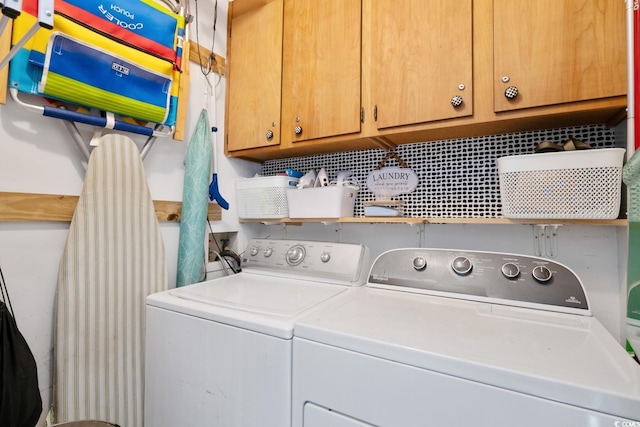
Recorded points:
425,63
294,75
321,71
417,70
556,52
254,60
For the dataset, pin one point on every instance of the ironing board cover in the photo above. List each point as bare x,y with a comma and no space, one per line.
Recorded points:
123,58
114,257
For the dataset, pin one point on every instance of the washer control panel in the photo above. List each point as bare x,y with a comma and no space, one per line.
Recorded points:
504,278
342,263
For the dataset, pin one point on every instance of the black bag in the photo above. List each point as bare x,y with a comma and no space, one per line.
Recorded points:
20,400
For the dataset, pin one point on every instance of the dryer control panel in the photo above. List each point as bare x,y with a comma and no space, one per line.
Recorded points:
503,278
340,263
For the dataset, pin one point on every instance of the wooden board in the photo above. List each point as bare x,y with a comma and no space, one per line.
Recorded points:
60,208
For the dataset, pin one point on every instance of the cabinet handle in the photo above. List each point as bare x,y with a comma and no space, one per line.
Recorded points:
456,101
511,92
269,134
297,130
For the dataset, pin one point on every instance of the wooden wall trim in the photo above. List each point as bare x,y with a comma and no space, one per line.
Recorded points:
60,208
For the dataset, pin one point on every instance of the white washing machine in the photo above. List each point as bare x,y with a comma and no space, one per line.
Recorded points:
462,338
218,353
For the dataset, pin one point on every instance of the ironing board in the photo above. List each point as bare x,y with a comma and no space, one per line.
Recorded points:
113,258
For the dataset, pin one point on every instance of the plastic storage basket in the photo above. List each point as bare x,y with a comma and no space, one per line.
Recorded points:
263,197
322,202
582,184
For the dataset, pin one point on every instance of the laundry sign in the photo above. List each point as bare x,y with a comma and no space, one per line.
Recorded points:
392,181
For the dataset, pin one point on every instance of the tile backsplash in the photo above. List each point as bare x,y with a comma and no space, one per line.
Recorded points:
457,178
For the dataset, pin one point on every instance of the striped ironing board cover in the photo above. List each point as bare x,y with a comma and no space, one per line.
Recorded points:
113,258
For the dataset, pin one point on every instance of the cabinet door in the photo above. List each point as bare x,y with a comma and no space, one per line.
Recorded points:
558,51
422,59
254,81
321,69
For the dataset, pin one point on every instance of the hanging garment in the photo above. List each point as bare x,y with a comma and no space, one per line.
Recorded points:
113,258
20,400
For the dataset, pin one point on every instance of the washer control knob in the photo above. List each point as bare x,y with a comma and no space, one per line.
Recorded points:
419,263
254,251
325,257
542,274
268,252
295,255
510,270
462,265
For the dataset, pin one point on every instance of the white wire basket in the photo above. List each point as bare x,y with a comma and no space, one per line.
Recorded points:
264,197
583,184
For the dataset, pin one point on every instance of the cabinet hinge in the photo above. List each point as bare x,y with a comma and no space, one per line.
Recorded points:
361,115
375,113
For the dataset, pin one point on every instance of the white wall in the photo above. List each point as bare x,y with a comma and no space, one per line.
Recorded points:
37,156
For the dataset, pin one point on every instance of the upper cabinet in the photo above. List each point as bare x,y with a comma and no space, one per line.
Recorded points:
254,78
549,52
294,70
321,69
423,51
308,77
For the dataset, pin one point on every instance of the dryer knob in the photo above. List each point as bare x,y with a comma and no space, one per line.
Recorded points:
267,252
325,257
542,274
254,251
510,270
419,263
461,265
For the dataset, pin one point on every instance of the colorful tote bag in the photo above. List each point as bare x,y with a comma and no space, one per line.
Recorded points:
123,57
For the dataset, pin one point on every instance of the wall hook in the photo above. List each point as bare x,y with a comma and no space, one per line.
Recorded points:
545,240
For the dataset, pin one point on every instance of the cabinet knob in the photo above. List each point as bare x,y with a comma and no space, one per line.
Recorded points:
511,92
269,134
456,101
297,130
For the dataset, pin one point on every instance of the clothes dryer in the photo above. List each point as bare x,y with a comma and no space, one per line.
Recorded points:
462,338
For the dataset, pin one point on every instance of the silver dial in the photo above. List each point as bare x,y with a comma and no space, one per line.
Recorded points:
461,265
542,274
254,251
325,257
295,255
419,263
510,270
267,252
